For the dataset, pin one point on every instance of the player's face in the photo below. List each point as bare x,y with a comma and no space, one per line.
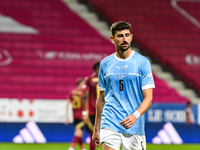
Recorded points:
97,71
122,39
82,84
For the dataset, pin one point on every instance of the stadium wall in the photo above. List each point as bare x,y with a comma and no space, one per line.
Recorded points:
22,118
59,132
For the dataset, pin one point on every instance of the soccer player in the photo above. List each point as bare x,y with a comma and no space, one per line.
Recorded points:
76,97
189,114
91,94
126,91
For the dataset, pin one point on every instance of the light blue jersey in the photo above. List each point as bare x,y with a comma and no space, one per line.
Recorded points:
123,81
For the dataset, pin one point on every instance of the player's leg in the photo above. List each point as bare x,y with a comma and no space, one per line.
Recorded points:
105,147
133,142
90,128
78,134
74,142
92,145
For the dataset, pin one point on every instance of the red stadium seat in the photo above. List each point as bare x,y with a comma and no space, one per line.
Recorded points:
46,64
162,29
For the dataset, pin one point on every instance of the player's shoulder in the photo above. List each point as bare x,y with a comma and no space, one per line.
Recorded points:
77,91
107,59
141,59
72,91
88,78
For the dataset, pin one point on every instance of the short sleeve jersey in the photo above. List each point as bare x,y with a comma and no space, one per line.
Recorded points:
91,83
123,81
76,96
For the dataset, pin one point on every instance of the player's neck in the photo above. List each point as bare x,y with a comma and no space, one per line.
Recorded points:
124,54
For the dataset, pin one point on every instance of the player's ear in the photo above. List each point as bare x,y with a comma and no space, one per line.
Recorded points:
131,37
112,39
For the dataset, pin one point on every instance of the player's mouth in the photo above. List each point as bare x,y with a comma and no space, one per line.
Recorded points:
124,44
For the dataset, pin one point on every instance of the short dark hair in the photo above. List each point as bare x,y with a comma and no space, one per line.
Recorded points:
118,26
78,81
96,65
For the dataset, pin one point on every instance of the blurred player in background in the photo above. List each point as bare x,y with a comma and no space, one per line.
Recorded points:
126,91
91,94
75,97
189,114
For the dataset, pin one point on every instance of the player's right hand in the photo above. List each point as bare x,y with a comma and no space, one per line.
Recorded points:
67,121
96,138
129,121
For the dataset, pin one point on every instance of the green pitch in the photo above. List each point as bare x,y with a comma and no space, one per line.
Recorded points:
65,146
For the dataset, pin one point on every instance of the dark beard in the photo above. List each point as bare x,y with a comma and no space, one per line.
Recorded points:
121,47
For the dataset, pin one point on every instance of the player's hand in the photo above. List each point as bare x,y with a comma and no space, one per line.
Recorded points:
85,119
96,138
66,121
129,121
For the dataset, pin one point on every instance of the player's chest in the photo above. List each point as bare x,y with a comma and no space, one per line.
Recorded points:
125,71
122,68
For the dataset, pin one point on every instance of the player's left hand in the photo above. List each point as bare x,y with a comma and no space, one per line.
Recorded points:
85,119
129,121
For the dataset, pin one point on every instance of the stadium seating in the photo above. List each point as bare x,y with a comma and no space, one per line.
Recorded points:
45,64
164,94
168,29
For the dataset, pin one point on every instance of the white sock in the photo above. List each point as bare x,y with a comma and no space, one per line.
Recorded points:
71,148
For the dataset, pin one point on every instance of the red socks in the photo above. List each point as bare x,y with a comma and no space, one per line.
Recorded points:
77,140
92,146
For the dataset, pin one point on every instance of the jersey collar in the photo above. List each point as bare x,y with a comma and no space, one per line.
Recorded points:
124,59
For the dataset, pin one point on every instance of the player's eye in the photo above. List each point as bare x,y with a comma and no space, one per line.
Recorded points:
120,35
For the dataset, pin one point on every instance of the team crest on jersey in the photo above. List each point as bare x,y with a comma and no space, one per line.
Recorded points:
126,67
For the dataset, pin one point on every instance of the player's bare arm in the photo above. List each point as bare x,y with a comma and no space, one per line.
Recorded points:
67,108
129,121
85,103
99,106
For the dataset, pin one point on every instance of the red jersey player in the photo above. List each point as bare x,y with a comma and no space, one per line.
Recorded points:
189,114
76,97
91,94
